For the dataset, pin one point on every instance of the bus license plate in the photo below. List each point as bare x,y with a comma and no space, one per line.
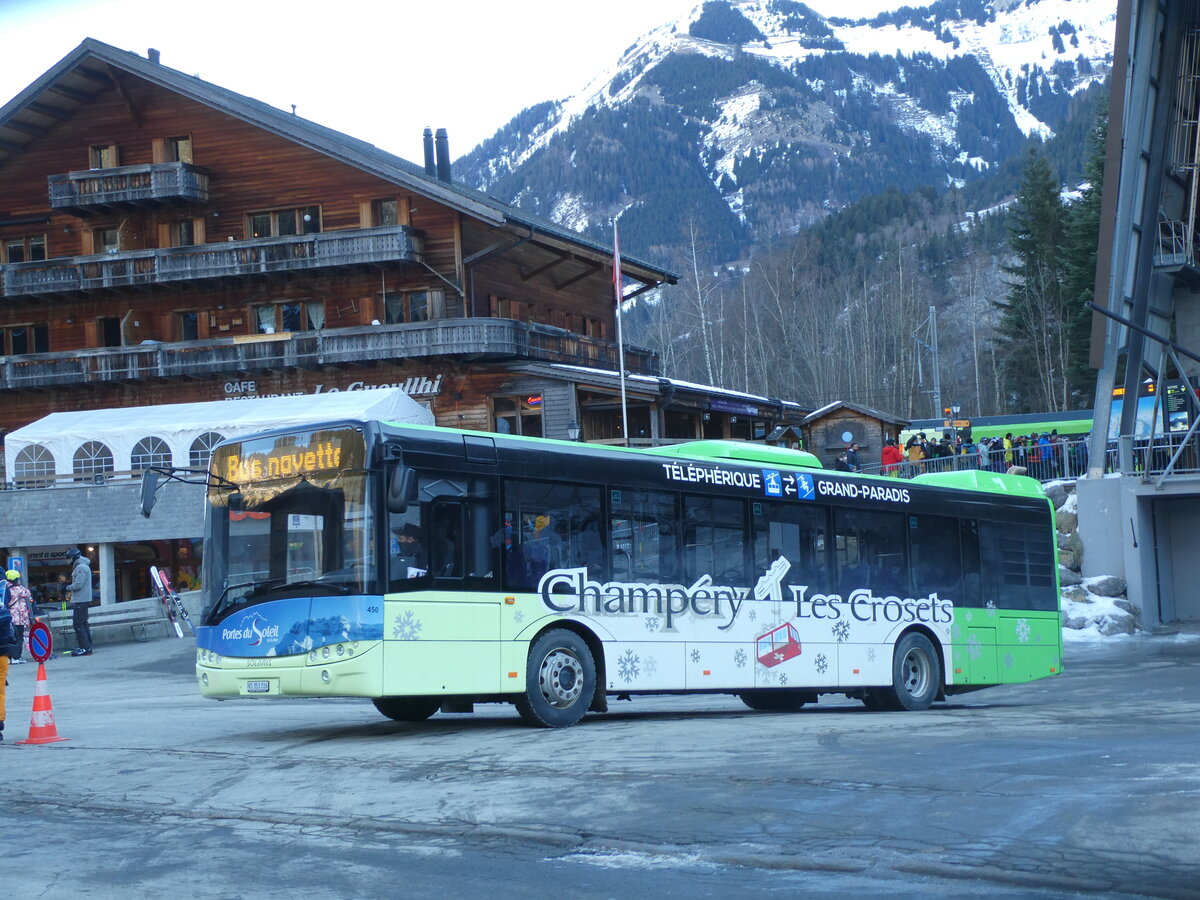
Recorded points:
258,687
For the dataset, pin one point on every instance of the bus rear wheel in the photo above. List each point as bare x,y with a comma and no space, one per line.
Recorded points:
560,680
408,709
916,675
775,700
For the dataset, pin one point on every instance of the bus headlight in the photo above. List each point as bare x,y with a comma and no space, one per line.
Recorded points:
324,653
325,676
312,655
204,678
341,651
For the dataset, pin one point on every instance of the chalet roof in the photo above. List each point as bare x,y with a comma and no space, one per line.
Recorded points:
92,66
854,407
660,384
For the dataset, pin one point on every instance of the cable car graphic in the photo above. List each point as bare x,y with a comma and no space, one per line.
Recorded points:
778,645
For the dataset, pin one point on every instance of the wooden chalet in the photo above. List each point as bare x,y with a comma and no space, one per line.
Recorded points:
165,240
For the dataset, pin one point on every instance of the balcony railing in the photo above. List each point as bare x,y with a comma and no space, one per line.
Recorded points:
134,268
152,184
477,338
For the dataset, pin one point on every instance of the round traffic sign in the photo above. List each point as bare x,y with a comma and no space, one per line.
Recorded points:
41,645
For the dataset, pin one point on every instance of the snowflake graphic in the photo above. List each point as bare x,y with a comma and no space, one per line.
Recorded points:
739,658
974,647
822,663
783,677
695,656
1008,660
841,631
627,665
518,617
650,666
406,627
652,623
1023,630
967,615
870,654
991,604
752,615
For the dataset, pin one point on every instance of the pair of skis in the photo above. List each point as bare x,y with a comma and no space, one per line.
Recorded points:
176,611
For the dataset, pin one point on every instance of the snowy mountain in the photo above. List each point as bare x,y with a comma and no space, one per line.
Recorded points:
746,119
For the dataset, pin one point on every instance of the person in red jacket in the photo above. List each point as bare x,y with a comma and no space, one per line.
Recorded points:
891,457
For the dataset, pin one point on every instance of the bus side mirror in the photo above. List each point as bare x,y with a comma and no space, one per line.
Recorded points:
149,487
402,489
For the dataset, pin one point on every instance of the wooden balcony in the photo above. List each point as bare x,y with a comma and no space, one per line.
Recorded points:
141,268
475,339
103,190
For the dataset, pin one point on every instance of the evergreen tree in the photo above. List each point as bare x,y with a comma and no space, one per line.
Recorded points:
1034,341
1079,262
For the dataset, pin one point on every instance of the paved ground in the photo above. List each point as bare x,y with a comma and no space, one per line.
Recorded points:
1085,784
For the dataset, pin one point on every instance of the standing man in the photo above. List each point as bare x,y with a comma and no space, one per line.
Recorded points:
81,600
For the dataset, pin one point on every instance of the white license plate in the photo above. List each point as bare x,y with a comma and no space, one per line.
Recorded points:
258,687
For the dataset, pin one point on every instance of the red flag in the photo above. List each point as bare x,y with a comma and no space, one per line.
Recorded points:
617,295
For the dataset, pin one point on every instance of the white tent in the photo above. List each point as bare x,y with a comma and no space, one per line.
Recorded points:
180,426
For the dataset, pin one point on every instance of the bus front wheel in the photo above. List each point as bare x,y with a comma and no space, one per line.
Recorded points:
916,674
408,709
560,680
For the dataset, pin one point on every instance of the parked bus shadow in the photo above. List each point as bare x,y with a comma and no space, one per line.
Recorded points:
502,718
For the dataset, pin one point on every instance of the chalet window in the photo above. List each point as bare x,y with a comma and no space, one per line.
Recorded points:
26,249
187,325
384,212
285,222
292,315
178,149
408,306
109,331
182,233
19,339
103,156
92,459
106,240
518,415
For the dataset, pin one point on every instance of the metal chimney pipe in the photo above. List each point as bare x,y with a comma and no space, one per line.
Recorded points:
430,168
442,147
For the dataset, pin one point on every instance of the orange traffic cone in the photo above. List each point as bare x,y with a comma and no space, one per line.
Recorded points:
41,724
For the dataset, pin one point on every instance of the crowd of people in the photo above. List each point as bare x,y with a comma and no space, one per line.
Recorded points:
1044,456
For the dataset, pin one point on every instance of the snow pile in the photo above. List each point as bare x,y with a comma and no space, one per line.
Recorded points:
1088,615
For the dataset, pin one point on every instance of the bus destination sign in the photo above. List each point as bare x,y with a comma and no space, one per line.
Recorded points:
326,452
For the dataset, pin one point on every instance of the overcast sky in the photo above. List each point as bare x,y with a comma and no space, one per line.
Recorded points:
379,70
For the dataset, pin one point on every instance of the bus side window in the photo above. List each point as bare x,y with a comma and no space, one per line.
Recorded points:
714,537
870,552
936,559
642,542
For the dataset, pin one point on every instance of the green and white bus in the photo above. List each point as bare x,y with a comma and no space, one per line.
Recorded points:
428,568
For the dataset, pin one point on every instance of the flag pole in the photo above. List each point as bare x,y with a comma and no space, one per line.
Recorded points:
618,296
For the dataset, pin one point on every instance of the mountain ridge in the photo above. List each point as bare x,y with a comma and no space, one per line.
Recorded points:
747,119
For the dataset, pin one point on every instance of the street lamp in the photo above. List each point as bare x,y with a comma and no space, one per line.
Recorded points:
573,431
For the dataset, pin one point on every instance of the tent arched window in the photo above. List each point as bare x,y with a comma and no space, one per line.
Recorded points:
92,459
201,450
34,466
149,451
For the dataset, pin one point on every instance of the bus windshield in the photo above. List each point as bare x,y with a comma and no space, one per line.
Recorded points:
297,519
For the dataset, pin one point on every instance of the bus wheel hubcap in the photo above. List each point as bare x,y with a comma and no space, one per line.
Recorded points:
561,679
916,673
